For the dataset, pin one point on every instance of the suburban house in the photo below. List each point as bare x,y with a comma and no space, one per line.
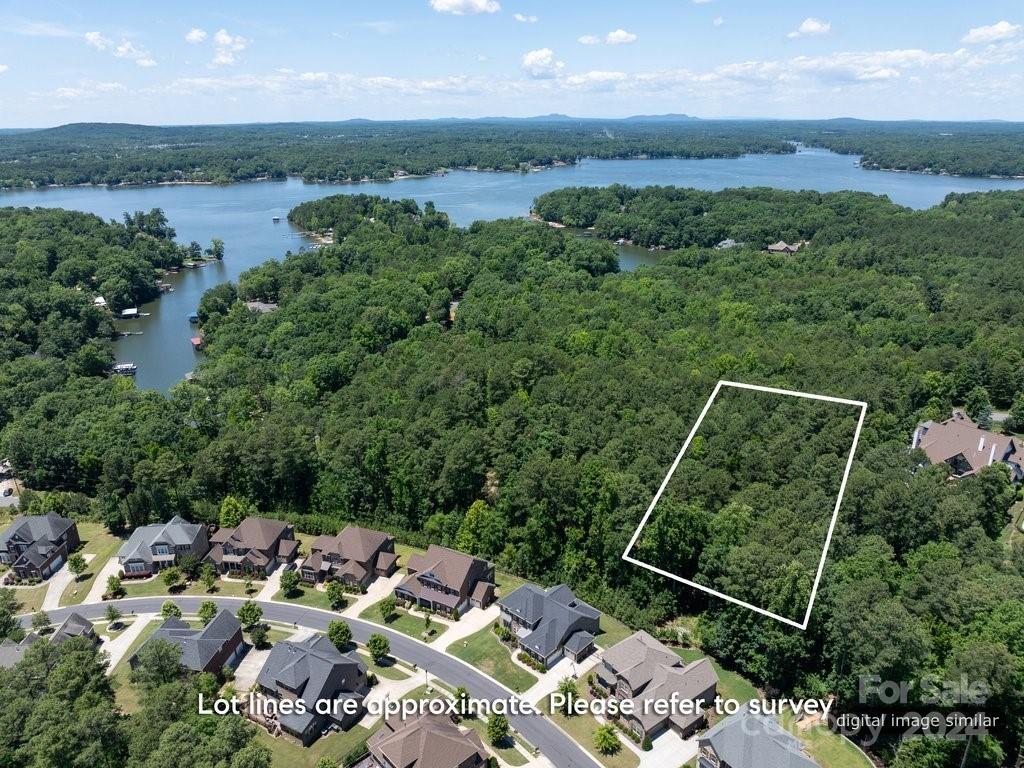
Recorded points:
783,247
428,741
217,645
642,669
313,670
549,624
966,447
257,545
36,546
74,625
446,581
746,740
355,556
152,548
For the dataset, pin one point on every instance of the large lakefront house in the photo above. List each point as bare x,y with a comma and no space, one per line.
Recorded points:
356,556
446,581
258,545
549,624
36,546
967,448
314,670
746,740
151,548
428,741
642,669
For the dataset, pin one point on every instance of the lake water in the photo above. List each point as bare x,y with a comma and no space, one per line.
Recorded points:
242,216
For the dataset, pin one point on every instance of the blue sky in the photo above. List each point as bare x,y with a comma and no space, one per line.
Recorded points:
216,62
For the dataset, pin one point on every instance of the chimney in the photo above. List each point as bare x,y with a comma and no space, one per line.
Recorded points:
981,444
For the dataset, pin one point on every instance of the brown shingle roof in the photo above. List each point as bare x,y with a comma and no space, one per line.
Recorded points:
960,436
429,741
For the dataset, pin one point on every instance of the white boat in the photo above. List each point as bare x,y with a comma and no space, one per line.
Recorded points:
125,369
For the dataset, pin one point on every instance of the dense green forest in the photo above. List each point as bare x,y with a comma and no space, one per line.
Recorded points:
99,153
532,427
749,505
59,710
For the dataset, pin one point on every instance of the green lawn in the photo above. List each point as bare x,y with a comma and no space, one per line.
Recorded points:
828,748
102,628
386,670
307,596
506,751
30,599
485,652
127,696
290,753
98,541
404,622
612,631
156,587
581,728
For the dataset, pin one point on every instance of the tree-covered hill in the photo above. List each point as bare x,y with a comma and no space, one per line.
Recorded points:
532,421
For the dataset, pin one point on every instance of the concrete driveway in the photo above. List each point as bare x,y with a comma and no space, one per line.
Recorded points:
668,749
249,668
377,591
548,682
119,646
57,583
469,623
110,568
272,585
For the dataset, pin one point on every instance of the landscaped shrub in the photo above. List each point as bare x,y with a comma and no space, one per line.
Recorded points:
531,662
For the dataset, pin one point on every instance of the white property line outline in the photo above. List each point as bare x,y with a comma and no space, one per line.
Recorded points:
863,406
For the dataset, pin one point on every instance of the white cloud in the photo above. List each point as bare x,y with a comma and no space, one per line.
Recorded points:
87,89
380,27
620,37
314,77
126,49
811,26
701,2
465,7
524,18
718,21
616,37
1001,30
541,63
227,47
3,68
195,35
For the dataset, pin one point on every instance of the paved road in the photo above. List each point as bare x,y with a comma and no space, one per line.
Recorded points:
556,745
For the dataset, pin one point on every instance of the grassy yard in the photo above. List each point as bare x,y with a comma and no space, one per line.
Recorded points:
308,596
286,752
404,622
102,628
485,652
387,670
1012,532
581,728
155,587
612,631
506,751
30,599
828,748
127,696
98,541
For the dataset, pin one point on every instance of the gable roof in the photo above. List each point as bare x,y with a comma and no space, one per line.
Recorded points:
451,567
313,669
253,533
177,531
429,741
960,436
555,613
75,625
46,528
199,646
637,658
11,652
746,740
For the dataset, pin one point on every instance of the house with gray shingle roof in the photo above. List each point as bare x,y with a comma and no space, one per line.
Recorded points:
217,645
11,652
549,624
314,670
746,740
36,546
75,625
258,545
356,556
643,670
428,741
151,548
447,581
